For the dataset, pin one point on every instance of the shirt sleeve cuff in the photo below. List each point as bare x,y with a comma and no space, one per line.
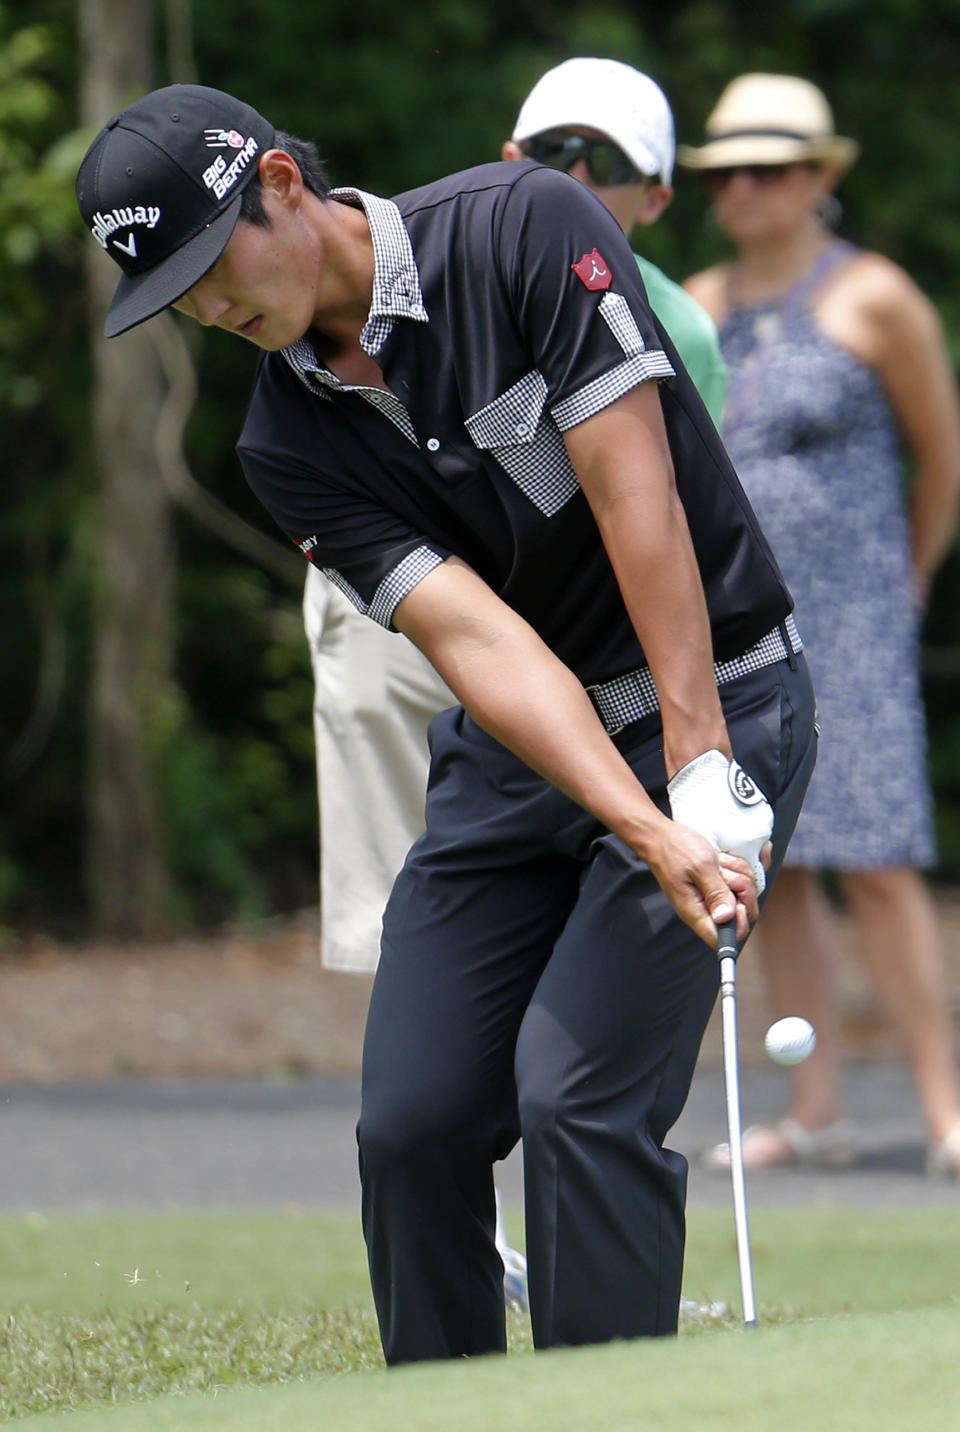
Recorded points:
602,391
396,585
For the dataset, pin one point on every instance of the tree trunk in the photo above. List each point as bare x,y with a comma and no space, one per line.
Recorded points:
130,695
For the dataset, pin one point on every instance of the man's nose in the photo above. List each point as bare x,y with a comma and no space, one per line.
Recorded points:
207,307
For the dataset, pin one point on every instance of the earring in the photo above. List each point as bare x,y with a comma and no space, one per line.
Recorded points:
830,212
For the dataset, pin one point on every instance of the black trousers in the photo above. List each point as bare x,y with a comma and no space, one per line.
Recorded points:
535,981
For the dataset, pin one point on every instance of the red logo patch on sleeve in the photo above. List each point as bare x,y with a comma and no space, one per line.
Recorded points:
593,271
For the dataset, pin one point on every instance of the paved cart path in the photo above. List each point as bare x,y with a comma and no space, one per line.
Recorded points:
252,1143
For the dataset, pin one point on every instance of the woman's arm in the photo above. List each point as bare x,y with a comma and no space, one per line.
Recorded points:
902,339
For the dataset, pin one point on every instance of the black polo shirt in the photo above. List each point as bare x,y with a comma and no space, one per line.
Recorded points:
507,307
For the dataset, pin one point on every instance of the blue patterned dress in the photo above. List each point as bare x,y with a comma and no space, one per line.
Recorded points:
812,436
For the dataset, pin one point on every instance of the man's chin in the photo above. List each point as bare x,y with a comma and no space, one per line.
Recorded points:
272,338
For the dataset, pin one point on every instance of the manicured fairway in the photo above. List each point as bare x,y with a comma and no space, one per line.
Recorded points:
860,1329
869,1373
77,1263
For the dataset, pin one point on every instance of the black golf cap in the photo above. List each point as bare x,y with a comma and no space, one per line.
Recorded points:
160,189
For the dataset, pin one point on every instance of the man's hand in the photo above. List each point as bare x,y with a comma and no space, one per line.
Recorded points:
705,888
715,796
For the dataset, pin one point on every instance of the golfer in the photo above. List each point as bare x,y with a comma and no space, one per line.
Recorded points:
467,416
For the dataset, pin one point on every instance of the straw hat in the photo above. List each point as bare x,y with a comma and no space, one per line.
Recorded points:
770,119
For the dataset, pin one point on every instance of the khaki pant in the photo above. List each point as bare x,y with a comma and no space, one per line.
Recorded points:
375,695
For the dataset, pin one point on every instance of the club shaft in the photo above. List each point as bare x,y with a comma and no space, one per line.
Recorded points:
727,950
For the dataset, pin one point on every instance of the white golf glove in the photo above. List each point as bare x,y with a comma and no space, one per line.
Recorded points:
717,798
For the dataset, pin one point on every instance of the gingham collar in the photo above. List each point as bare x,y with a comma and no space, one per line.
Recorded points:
396,282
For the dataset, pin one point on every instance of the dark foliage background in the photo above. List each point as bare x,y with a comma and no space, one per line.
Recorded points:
394,95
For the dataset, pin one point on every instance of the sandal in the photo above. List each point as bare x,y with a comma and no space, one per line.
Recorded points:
830,1147
943,1160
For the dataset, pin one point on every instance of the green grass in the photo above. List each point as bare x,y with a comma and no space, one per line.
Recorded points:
813,1262
102,1309
185,1321
80,1263
870,1373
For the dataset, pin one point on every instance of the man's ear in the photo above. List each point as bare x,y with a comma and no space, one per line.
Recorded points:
280,176
652,203
511,150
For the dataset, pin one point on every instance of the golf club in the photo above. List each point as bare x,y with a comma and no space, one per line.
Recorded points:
727,951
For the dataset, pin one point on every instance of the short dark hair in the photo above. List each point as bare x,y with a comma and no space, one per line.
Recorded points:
304,151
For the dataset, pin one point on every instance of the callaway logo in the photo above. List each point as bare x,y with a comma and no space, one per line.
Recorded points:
129,218
742,787
221,176
221,138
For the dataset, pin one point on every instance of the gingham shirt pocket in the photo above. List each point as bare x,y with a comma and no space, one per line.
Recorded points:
526,442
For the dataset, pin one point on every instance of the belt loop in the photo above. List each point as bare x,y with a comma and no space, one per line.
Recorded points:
598,707
791,654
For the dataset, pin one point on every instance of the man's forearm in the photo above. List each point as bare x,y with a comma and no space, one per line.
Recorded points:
661,588
623,463
523,695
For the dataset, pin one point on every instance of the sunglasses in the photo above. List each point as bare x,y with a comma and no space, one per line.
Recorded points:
762,174
606,163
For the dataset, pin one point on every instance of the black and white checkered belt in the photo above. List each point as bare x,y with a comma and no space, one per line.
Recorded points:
633,695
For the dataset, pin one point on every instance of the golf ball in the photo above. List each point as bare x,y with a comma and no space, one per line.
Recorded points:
790,1040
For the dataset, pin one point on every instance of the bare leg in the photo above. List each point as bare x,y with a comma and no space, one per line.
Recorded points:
795,939
797,951
899,942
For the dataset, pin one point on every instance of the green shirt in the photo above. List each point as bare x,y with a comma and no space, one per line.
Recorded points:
693,332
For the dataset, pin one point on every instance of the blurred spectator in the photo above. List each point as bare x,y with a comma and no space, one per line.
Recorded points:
611,127
375,694
837,362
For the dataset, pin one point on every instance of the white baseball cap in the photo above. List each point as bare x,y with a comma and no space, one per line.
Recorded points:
608,96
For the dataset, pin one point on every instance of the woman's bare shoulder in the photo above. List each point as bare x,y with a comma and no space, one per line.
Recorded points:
709,288
883,289
873,307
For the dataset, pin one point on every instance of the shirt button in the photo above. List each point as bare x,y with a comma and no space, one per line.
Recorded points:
522,429
433,444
